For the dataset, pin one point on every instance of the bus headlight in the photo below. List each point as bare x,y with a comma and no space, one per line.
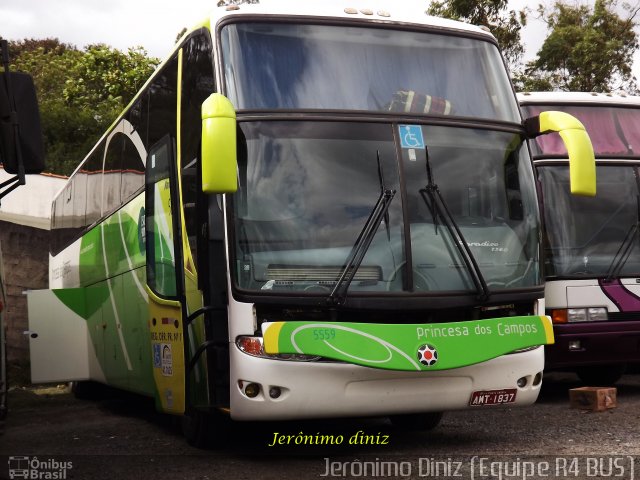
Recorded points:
253,346
598,314
591,314
577,315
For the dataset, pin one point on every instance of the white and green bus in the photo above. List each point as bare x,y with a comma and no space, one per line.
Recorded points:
308,211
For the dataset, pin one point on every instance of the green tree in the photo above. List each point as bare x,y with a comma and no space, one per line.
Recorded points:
504,24
107,77
588,49
80,92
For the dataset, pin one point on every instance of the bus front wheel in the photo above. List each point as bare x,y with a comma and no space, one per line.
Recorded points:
600,375
196,428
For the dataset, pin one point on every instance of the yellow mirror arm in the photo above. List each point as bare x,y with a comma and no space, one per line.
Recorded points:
582,162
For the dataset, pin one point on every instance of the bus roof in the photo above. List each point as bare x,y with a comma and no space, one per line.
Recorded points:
548,98
375,11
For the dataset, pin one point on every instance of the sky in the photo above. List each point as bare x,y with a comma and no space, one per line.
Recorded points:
154,24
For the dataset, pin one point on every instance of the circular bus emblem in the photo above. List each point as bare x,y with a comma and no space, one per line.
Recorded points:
427,355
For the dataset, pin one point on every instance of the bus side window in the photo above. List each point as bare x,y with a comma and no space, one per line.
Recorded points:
160,235
93,170
112,173
161,272
132,168
197,84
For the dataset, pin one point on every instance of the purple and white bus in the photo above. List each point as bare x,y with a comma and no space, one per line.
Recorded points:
591,244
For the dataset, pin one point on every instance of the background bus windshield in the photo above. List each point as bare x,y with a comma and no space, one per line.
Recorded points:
614,131
586,244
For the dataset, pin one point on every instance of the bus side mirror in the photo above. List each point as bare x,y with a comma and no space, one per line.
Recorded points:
219,160
24,115
582,163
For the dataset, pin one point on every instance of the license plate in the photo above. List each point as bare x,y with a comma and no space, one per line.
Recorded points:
493,397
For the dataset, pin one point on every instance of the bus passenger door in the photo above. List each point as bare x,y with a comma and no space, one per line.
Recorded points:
163,283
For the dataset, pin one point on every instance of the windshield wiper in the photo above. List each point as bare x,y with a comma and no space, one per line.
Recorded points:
623,253
380,211
438,208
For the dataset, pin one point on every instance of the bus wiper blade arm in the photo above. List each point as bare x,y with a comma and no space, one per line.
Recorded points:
380,211
624,252
438,208
360,247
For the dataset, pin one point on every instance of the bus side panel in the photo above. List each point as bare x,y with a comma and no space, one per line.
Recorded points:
135,322
119,302
60,344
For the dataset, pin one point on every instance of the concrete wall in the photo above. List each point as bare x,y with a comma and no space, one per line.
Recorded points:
24,236
25,252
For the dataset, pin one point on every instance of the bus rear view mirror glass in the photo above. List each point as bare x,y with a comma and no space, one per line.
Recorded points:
27,115
219,160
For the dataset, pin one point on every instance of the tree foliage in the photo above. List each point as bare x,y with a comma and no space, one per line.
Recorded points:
587,49
504,25
81,92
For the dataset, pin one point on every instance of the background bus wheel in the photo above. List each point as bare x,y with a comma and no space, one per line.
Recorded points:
417,421
600,375
197,428
85,390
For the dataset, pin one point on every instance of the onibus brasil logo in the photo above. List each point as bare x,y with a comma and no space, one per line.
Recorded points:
33,468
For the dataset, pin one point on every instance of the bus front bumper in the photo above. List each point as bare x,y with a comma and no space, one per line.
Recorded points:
294,390
598,343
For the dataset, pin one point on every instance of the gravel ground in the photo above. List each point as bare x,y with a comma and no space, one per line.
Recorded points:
122,433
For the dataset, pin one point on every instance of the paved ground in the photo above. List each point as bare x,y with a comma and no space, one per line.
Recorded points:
121,436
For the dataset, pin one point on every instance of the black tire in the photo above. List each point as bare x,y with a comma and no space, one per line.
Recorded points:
417,421
600,375
197,428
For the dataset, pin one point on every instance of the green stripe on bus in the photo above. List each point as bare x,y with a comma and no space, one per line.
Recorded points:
415,347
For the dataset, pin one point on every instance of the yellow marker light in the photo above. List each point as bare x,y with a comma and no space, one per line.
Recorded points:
559,316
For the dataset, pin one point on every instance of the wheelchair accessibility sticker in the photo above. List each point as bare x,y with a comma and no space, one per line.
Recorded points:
411,136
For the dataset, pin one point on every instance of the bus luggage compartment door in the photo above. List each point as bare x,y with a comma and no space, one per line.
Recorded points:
59,342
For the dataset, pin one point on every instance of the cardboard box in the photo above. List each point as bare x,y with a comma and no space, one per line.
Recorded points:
595,399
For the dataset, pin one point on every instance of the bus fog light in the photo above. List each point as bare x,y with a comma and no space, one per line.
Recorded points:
275,392
537,379
252,390
575,345
522,382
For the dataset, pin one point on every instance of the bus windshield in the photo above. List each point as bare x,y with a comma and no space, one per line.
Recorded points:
584,234
308,187
290,66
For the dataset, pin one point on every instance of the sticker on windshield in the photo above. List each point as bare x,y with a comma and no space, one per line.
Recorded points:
411,136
